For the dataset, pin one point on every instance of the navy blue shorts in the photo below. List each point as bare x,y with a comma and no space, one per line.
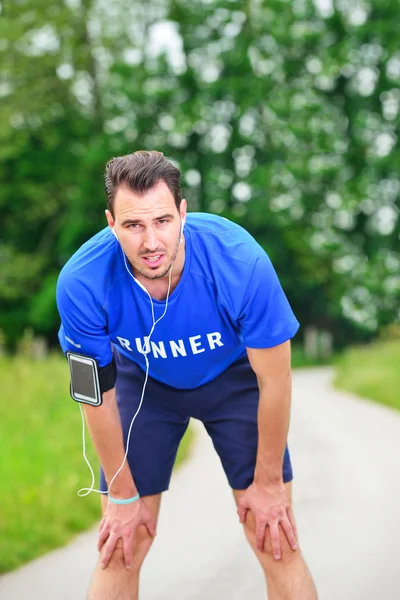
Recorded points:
227,406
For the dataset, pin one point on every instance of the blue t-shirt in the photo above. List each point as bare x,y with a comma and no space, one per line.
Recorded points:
228,298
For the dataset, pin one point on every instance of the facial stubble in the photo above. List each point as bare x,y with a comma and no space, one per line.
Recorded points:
163,273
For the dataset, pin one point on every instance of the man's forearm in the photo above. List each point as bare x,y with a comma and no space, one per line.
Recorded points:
273,427
105,429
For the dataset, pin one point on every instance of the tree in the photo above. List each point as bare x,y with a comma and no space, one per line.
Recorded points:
282,116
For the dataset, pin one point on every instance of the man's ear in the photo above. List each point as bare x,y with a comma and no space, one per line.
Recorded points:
110,218
183,209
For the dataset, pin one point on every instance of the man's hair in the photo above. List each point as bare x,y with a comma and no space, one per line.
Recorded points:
140,172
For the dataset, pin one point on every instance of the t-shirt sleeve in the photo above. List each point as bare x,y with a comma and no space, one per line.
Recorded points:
83,321
266,318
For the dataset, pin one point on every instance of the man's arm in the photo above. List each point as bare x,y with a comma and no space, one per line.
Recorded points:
266,497
272,367
105,429
84,325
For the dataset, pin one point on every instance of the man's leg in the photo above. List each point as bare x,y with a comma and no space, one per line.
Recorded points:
287,578
115,582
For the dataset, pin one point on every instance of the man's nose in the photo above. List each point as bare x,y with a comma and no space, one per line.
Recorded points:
149,239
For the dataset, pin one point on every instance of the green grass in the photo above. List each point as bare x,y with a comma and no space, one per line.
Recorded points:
42,466
372,371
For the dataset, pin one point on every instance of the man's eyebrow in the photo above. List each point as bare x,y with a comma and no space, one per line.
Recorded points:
136,221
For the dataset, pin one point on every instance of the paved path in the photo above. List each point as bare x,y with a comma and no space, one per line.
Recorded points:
346,458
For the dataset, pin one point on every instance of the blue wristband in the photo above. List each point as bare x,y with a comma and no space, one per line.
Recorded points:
125,501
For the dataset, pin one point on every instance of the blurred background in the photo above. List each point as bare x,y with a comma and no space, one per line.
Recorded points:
282,116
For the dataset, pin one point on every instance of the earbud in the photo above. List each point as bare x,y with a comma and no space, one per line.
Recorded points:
181,234
115,233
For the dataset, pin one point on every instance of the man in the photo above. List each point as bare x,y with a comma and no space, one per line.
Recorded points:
194,302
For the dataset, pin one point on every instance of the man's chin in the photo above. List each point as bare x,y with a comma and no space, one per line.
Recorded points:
157,273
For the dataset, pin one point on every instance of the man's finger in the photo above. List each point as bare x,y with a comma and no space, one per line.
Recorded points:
260,534
276,547
288,529
151,527
242,512
128,549
292,520
102,523
103,535
108,550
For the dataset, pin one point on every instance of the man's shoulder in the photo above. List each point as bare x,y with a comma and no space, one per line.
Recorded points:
225,255
204,222
94,263
223,240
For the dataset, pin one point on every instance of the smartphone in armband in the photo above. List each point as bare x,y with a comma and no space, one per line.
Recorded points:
85,386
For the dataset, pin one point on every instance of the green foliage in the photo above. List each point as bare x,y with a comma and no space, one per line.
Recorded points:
300,359
372,372
42,465
43,311
282,116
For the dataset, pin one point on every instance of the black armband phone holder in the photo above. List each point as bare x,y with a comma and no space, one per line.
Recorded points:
107,376
88,381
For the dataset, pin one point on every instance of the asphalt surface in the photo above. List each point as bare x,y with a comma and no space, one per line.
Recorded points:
346,458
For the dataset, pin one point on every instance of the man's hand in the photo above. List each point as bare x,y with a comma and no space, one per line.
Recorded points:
120,521
270,507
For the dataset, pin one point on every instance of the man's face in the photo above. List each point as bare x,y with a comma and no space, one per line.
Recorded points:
148,228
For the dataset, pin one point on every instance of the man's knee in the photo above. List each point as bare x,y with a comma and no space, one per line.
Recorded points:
142,542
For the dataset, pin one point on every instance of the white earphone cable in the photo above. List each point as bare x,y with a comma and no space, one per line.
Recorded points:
85,491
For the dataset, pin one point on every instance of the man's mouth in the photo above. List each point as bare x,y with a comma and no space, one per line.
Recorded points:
153,261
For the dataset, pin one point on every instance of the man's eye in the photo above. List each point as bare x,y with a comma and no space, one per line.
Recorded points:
162,221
